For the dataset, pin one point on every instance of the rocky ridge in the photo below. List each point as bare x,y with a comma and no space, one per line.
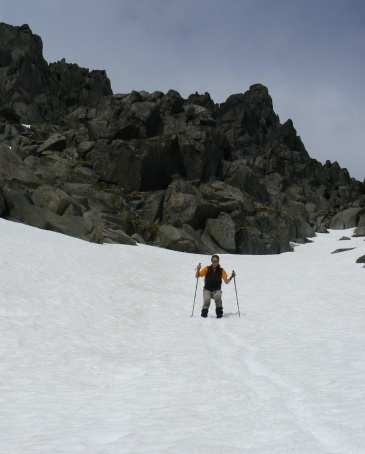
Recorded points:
185,174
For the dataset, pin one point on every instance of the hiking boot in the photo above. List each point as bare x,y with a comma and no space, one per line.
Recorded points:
219,312
204,313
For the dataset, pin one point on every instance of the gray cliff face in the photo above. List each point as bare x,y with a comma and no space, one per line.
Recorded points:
37,91
186,174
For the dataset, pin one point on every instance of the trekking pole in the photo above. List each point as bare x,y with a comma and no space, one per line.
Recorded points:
197,278
235,287
192,312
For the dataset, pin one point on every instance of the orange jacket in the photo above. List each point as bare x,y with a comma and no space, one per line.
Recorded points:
204,271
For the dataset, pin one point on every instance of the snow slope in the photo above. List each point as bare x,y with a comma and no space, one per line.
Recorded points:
99,354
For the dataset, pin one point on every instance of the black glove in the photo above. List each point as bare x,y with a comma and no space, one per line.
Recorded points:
233,275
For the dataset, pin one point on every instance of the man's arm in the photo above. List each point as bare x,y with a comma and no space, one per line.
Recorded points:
225,277
201,272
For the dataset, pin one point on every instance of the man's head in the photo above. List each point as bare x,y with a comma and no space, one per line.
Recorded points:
215,260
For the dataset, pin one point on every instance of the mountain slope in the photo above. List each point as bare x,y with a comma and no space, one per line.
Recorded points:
186,174
99,353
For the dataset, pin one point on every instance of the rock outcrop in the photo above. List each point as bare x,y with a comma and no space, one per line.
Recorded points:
186,174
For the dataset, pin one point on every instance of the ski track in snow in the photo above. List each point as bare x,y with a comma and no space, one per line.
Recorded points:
99,354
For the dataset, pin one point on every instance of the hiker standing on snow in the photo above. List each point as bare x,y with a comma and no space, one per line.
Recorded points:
212,286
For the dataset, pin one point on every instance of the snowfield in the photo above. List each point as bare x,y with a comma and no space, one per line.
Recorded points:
99,354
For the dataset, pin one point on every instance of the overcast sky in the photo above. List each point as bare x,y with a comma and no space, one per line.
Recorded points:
310,54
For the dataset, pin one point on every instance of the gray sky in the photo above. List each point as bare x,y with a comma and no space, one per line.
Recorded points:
310,54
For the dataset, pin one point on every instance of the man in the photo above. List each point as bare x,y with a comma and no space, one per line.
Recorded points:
212,286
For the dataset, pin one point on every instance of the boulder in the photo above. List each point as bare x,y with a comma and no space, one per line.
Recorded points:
361,259
178,239
299,218
238,174
148,115
138,238
346,218
54,199
220,196
180,204
209,246
344,249
102,199
361,220
222,231
321,228
43,218
84,147
29,214
267,232
68,225
20,208
13,168
56,142
16,195
250,241
359,231
117,236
